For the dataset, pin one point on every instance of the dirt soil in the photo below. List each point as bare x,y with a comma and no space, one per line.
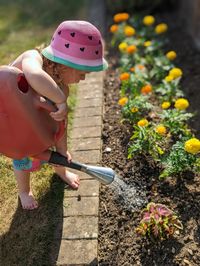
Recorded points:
118,243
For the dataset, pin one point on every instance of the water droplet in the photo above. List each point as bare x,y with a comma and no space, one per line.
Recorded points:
129,197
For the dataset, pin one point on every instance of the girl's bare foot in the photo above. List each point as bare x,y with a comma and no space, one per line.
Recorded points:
68,177
27,201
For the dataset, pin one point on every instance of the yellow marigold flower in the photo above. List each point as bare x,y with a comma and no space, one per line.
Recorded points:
146,89
132,69
131,49
143,123
124,76
175,72
165,105
129,31
114,28
192,145
123,101
161,28
147,43
134,109
181,104
169,78
148,20
120,17
160,129
123,46
171,55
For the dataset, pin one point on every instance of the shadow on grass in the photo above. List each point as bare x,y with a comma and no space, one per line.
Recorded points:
34,236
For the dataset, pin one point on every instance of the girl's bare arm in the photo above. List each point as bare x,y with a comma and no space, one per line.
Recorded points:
39,80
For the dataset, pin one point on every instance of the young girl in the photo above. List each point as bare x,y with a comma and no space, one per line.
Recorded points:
75,50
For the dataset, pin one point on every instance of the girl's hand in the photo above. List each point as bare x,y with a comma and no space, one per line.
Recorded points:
61,113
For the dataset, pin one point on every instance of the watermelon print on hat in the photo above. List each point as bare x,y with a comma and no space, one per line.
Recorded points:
77,44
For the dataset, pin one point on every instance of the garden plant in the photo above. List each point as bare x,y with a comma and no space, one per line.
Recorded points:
147,121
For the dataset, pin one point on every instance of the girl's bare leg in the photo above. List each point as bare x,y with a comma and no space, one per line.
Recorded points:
68,177
25,193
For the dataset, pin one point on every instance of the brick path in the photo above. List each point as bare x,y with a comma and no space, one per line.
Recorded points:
80,208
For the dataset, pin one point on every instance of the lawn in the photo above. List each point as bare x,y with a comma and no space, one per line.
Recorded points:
27,236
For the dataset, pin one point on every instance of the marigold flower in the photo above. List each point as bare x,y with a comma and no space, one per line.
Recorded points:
123,46
114,28
146,89
147,43
192,145
169,78
124,76
134,109
160,129
181,104
143,123
171,55
175,72
165,105
129,31
132,69
161,28
131,49
141,67
148,20
123,101
119,17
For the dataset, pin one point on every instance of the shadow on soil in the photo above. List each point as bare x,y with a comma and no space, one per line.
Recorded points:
34,236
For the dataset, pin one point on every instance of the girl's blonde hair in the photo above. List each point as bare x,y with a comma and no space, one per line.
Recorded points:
52,67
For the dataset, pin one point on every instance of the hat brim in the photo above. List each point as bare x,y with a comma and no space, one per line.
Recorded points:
68,63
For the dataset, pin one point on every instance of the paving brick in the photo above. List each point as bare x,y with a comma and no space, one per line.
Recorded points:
86,188
76,227
87,122
89,132
92,157
90,92
86,144
88,112
93,102
81,206
77,252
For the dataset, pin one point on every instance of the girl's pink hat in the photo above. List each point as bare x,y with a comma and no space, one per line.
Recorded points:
77,44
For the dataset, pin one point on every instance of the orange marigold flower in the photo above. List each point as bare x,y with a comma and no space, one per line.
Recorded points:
120,17
114,28
131,49
124,76
132,69
129,31
141,67
123,101
146,89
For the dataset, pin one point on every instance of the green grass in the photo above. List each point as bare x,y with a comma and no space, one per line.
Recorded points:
28,237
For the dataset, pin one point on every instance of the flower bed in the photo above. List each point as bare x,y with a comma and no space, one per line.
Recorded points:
153,133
